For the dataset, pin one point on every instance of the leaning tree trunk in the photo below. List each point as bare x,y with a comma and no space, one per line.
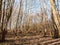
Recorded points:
55,19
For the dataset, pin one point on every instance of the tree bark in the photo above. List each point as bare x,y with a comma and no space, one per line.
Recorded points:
0,8
55,19
5,17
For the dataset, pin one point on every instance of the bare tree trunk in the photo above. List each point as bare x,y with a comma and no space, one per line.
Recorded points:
55,19
19,18
5,19
0,12
0,9
2,27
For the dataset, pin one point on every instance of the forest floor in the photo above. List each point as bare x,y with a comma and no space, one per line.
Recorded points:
31,40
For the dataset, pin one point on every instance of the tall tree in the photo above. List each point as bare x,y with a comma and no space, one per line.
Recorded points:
19,17
0,8
7,12
55,19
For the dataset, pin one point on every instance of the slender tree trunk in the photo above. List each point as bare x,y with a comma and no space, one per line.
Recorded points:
55,19
2,18
19,17
0,9
0,12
